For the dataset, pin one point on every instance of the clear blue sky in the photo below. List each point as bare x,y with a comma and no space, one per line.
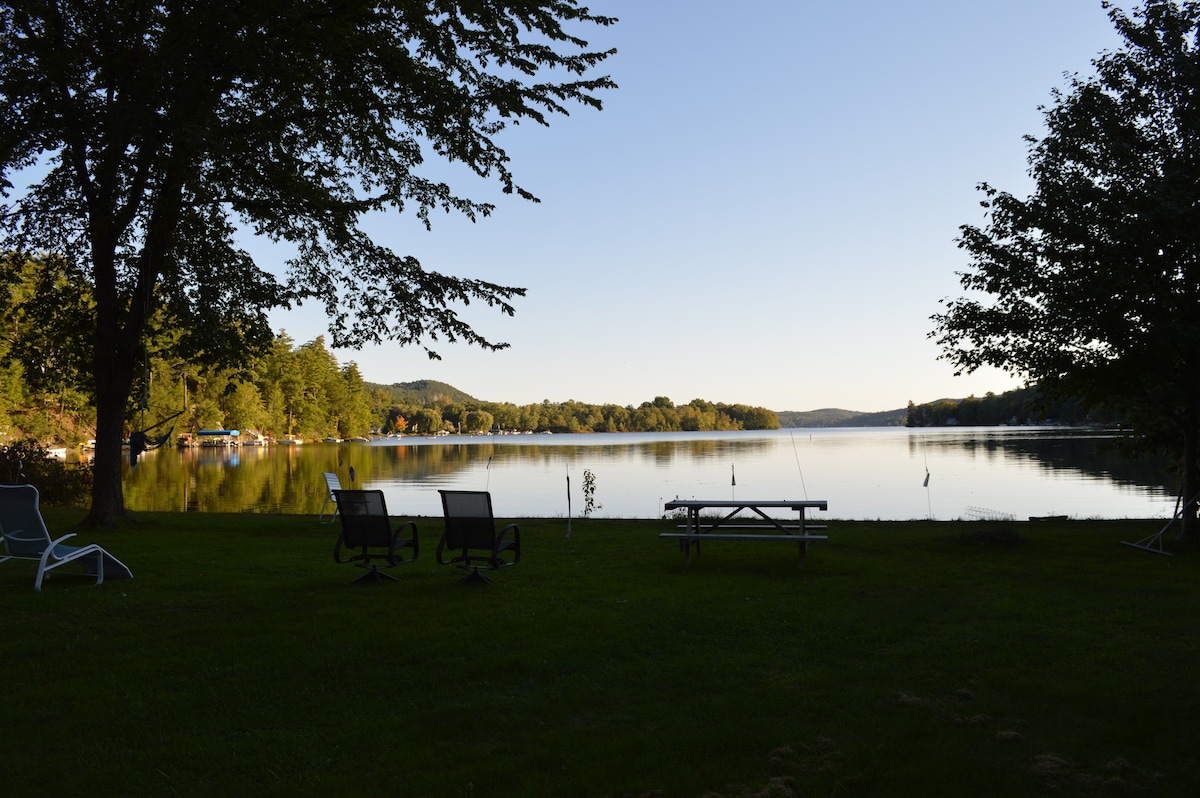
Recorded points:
764,212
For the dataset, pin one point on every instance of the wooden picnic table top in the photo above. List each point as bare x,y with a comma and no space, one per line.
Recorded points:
698,504
698,529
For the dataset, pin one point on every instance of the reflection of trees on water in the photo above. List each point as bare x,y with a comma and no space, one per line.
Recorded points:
660,452
1094,454
1101,458
289,478
219,480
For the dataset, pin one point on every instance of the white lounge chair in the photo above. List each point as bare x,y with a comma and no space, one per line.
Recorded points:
333,484
26,538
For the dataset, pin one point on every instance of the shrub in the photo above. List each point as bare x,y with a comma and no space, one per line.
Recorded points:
29,462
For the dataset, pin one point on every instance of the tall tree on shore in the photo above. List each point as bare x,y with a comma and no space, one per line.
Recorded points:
1090,287
154,131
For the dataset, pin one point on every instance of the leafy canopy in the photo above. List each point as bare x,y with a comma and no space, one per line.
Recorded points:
156,132
159,129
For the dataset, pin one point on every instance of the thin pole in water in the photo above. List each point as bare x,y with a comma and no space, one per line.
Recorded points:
488,482
568,503
796,452
928,500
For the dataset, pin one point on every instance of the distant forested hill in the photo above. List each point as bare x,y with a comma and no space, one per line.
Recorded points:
426,393
834,417
423,393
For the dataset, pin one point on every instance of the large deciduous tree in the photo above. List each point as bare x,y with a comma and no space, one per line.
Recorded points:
159,131
1090,286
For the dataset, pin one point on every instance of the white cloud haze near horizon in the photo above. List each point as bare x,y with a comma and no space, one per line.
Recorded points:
764,212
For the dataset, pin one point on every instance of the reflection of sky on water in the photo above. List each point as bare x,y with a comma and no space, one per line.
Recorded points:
873,473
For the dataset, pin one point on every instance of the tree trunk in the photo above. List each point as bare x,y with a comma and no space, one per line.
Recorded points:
120,322
114,381
113,364
1189,528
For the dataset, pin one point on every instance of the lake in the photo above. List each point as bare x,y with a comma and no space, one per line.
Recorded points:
883,473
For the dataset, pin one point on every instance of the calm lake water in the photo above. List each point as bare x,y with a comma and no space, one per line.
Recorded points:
869,473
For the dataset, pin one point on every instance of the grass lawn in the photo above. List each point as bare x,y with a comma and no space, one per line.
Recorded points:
930,659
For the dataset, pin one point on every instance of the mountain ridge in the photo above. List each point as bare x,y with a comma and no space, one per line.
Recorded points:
837,417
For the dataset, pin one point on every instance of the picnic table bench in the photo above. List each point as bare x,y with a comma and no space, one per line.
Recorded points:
730,526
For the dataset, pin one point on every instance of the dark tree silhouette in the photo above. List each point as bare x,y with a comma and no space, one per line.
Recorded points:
1090,286
156,130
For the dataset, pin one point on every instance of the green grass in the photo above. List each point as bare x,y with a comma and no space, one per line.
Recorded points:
932,659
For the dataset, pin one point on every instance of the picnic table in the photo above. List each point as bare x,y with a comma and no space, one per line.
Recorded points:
727,525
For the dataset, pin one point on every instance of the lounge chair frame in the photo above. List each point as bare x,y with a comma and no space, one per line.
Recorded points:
26,538
332,486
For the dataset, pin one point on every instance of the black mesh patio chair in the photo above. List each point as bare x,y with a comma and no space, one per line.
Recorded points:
471,541
367,530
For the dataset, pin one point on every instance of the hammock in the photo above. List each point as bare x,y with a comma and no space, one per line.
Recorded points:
140,441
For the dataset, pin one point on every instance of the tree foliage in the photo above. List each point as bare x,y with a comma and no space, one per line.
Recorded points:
1090,286
288,390
1022,406
156,132
45,309
571,416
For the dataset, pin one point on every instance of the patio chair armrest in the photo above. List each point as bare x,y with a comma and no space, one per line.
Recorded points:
18,544
337,548
50,553
416,544
58,541
18,536
515,544
438,553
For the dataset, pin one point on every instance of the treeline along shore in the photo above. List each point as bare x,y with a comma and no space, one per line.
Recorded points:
303,392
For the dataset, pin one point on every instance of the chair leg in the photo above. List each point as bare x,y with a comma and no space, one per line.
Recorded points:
475,577
374,576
